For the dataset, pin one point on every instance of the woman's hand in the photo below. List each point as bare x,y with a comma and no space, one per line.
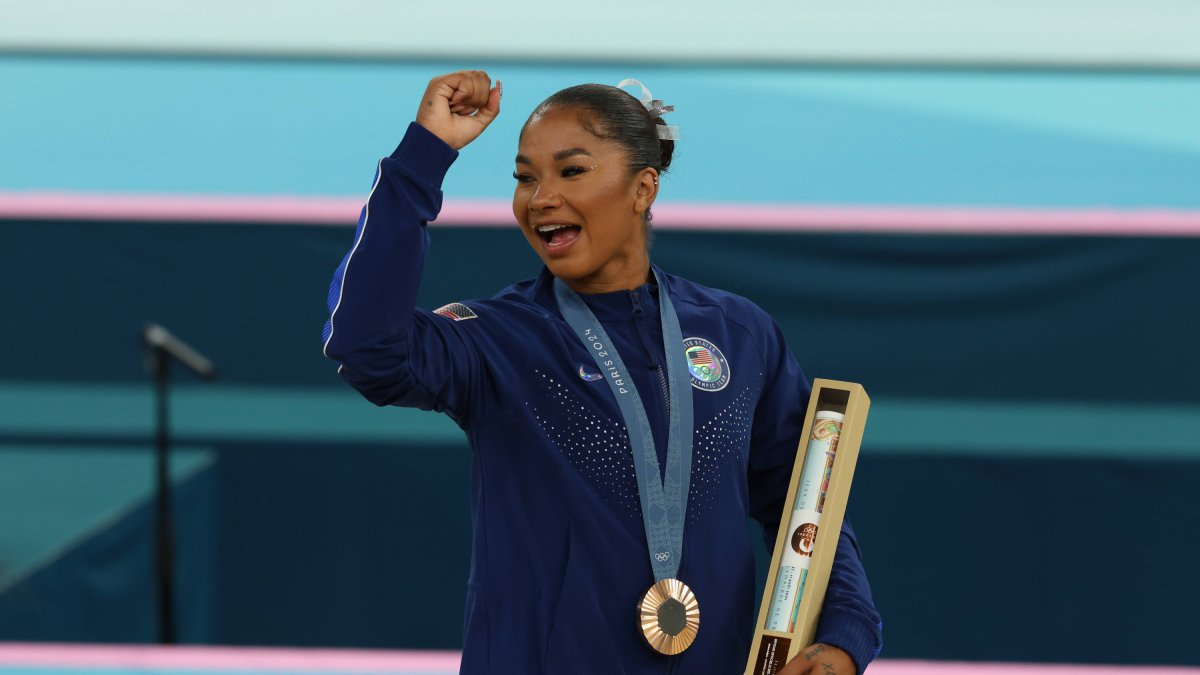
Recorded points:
820,659
458,107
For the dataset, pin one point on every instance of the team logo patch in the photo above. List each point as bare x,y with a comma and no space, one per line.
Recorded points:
706,364
456,311
589,377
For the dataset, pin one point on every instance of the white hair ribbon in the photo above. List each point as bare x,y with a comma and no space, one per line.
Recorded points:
656,108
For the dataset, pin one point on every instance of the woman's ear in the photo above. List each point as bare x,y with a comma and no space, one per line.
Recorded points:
647,190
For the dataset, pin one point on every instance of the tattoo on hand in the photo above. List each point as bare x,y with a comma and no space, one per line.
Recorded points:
812,653
829,669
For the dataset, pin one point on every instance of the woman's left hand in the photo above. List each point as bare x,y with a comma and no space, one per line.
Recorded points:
820,659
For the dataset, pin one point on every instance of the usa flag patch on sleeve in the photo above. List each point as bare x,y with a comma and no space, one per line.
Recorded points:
456,311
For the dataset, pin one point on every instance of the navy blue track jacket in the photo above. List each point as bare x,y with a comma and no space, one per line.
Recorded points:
559,551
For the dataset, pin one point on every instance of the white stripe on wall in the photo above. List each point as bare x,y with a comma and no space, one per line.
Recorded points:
1156,33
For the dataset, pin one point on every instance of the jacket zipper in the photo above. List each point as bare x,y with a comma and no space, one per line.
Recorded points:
660,368
666,390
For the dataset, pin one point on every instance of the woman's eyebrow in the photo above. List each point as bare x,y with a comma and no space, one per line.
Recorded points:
570,152
558,156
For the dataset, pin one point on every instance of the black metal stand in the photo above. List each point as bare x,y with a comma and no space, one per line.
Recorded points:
161,347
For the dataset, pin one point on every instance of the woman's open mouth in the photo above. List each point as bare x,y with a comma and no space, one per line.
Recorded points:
558,236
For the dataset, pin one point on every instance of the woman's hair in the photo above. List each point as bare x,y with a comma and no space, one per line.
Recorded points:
613,114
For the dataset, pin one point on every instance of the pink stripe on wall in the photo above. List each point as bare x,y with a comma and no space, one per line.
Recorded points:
226,658
928,220
684,216
184,208
361,661
964,668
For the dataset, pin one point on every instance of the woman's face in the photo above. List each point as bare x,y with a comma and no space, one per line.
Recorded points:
578,206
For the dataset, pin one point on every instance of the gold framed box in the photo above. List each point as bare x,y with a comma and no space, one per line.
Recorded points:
770,650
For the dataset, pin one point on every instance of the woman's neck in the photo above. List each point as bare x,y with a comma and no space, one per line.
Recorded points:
605,280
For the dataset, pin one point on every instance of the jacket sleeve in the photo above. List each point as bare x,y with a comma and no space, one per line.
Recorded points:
386,348
848,618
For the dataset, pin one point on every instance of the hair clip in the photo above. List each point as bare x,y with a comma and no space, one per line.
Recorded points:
656,108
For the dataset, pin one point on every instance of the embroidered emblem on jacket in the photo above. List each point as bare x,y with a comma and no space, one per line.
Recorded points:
589,377
456,311
706,364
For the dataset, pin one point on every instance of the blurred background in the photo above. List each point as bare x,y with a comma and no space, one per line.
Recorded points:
986,213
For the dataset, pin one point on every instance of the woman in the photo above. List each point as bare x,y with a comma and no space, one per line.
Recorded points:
586,493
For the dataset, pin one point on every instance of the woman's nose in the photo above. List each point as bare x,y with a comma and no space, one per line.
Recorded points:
544,197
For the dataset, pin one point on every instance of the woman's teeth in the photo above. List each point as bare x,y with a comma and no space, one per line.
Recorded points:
550,232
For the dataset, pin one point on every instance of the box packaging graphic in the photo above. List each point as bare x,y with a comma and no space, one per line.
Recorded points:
810,526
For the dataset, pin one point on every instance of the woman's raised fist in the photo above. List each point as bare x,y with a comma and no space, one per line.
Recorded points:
458,107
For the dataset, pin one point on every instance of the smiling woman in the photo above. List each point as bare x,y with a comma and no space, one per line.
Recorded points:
578,205
582,491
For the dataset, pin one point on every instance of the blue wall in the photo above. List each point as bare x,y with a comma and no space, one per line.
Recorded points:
1032,409
202,126
1024,489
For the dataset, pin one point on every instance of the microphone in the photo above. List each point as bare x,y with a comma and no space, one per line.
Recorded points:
156,337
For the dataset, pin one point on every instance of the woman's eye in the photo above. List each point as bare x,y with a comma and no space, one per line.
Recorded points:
522,177
572,171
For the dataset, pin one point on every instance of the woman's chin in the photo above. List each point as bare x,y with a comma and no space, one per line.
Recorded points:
566,270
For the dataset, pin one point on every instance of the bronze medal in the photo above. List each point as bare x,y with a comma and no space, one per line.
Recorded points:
670,616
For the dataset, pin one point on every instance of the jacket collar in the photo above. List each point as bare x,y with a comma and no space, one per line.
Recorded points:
615,306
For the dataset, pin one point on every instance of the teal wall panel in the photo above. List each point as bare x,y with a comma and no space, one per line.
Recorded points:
99,586
255,127
1005,556
1089,318
1035,391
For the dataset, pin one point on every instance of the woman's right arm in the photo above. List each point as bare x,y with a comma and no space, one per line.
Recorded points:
385,347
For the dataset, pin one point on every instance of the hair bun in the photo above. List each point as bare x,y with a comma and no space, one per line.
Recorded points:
666,149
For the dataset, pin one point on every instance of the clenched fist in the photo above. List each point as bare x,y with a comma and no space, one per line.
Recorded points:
458,107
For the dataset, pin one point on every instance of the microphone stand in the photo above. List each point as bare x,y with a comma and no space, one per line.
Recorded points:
161,347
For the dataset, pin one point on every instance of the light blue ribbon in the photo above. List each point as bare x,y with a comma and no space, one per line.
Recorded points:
664,502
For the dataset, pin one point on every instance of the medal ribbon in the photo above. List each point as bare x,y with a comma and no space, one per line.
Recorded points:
664,502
